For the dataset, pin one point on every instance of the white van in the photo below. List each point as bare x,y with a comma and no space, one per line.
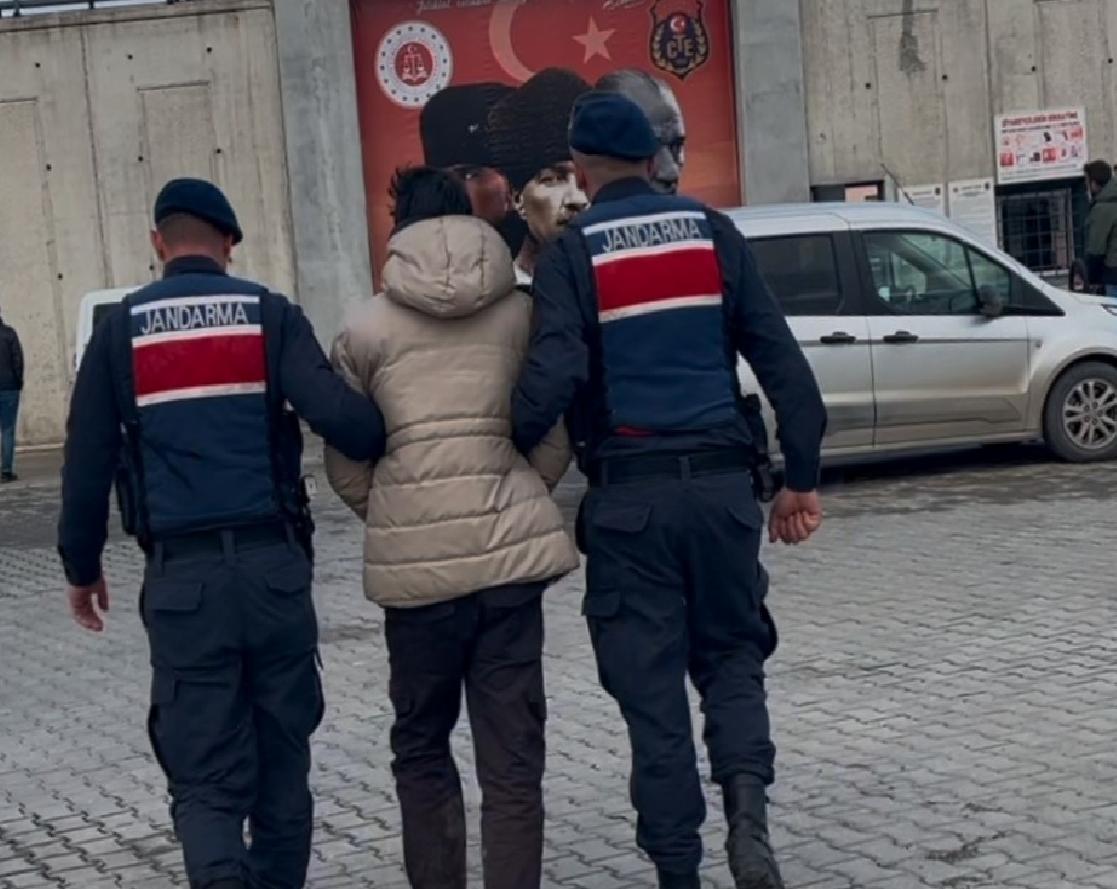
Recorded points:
94,307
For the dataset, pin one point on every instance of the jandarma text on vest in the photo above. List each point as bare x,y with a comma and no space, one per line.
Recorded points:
165,317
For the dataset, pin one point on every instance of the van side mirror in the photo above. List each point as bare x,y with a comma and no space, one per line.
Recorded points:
990,301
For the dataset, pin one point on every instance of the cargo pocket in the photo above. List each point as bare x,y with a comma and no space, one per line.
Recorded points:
613,532
181,632
172,596
291,580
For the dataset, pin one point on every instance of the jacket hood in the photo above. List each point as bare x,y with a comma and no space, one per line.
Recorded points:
449,267
1108,195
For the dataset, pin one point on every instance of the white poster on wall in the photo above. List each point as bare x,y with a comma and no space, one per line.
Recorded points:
1038,145
973,206
929,197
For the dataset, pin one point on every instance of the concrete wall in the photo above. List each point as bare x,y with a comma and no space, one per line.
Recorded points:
97,110
916,85
771,106
324,158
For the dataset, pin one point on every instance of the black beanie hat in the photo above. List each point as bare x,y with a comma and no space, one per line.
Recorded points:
453,124
529,129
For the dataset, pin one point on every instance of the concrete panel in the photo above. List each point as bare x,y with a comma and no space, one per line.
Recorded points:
965,89
1104,143
49,228
178,135
324,159
29,264
120,101
842,119
1013,55
909,95
998,56
770,93
1072,60
209,68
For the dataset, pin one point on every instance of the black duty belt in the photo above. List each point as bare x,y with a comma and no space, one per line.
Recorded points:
221,540
620,470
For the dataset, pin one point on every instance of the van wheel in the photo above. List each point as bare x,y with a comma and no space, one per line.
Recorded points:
1080,420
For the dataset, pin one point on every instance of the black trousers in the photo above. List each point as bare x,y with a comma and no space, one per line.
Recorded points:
492,644
235,697
675,587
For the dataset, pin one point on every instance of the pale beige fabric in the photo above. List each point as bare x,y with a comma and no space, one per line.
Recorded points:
452,507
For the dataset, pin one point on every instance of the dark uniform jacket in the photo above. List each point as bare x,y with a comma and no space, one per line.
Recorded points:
11,360
190,374
641,308
1101,237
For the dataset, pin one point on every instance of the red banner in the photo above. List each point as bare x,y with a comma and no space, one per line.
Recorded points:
504,73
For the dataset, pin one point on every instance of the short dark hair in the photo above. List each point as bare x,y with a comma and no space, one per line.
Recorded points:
420,193
1099,171
180,229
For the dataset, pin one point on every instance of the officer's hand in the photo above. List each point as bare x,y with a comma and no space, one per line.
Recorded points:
795,516
81,605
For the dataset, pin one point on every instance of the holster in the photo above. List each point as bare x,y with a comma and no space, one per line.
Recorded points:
763,478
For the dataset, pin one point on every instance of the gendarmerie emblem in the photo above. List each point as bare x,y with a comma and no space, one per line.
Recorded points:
680,43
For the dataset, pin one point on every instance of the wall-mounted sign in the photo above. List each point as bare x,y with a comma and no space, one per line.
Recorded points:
973,206
487,86
1039,145
929,197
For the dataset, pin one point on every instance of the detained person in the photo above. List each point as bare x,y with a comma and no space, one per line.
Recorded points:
462,534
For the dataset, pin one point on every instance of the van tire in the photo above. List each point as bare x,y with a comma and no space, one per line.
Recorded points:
1089,391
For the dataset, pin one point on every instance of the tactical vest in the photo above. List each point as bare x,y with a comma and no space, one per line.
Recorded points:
199,420
659,299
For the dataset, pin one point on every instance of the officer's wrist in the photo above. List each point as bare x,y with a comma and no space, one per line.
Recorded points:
81,575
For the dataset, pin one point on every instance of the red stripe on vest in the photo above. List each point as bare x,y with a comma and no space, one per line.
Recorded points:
640,280
205,361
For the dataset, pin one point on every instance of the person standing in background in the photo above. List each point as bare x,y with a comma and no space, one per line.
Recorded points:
11,386
1101,228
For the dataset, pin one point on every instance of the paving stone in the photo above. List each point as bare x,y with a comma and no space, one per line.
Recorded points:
941,702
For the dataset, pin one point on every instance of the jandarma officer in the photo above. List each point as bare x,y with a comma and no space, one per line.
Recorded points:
641,309
181,396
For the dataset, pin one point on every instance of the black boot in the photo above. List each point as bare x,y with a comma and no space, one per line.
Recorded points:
751,860
226,884
671,880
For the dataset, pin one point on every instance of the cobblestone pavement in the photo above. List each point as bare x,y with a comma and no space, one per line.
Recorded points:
942,699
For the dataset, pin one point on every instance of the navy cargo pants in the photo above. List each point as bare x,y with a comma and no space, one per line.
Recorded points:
235,697
675,587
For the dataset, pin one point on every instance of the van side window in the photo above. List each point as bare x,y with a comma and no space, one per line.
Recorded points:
987,273
920,273
802,273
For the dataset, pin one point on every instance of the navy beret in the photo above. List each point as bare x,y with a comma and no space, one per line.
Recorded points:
201,199
611,125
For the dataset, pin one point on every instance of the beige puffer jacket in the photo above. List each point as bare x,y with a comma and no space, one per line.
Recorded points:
452,507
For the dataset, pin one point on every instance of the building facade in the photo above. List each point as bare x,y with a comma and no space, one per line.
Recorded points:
983,109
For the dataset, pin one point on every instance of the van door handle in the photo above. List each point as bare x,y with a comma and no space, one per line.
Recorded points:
901,337
838,338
